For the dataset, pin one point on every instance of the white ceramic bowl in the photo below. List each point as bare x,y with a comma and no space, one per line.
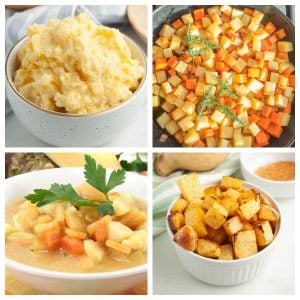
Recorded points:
278,189
225,272
53,282
68,130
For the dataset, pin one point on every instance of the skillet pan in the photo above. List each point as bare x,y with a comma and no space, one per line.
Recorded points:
168,13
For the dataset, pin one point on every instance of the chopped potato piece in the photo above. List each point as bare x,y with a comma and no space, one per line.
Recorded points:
245,244
208,248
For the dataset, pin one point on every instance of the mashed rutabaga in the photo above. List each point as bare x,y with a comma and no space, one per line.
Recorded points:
76,66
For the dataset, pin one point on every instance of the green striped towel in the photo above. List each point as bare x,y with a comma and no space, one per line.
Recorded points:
164,192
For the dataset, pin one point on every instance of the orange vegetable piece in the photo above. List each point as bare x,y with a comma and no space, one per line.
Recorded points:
161,64
264,122
254,118
278,91
225,18
198,13
248,11
276,118
267,111
198,60
101,228
177,24
288,108
207,133
280,33
171,72
270,28
191,96
190,84
199,144
282,55
261,139
51,238
172,61
221,53
73,246
275,130
272,39
219,66
265,45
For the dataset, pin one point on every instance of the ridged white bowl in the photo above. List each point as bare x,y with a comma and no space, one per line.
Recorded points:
226,272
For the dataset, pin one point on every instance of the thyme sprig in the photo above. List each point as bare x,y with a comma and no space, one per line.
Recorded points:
225,89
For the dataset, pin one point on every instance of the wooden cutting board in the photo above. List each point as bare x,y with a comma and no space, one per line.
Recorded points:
15,287
137,15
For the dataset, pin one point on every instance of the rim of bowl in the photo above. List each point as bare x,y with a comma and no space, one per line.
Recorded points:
280,182
116,107
24,268
234,261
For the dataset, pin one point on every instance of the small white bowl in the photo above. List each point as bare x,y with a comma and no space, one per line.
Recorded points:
54,282
226,272
69,130
278,189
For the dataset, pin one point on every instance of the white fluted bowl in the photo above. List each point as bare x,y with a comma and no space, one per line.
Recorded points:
226,272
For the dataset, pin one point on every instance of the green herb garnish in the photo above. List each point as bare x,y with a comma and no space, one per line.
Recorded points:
206,100
225,89
191,39
96,176
137,165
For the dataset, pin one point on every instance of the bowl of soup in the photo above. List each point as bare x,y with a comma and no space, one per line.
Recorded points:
61,248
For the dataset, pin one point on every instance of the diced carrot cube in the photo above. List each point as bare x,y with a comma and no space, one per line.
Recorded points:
161,64
248,11
190,84
198,23
51,238
272,39
276,118
288,108
261,139
225,18
270,28
219,66
177,24
191,96
207,133
172,61
264,122
265,45
254,118
198,60
275,130
267,111
199,144
73,246
198,13
280,33
278,91
171,72
282,55
292,81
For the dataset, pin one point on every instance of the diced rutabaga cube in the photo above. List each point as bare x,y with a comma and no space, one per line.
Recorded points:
238,140
270,100
282,82
227,76
209,64
269,55
162,42
236,13
191,137
168,107
254,85
285,46
194,30
202,123
213,10
188,107
253,72
166,87
262,33
239,78
257,104
155,101
206,22
187,18
182,31
180,92
200,89
168,52
186,123
177,114
216,19
270,88
239,65
274,77
214,29
236,24
225,132
222,143
256,43
213,124
217,116
211,141
283,67
225,42
248,141
181,67
281,101
200,71
226,9
227,122
167,30
288,92
246,20
178,102
241,90
163,119
161,76
273,65
172,127
211,77
244,50
253,26
175,42
174,80
258,16
208,54
254,129
252,63
285,119
155,89
243,117
245,101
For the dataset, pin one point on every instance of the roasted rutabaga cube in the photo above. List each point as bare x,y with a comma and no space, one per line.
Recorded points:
245,243
193,216
264,234
208,248
216,216
191,188
187,238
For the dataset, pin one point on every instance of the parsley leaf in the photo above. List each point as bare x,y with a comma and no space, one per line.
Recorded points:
137,165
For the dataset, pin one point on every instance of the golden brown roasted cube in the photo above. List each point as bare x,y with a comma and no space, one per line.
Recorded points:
191,188
208,201
268,213
233,225
179,206
249,209
264,234
193,216
231,193
208,248
246,196
216,216
230,182
245,244
230,204
247,226
217,235
186,237
226,252
176,221
213,191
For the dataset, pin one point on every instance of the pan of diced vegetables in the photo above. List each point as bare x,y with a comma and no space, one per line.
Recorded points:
223,76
